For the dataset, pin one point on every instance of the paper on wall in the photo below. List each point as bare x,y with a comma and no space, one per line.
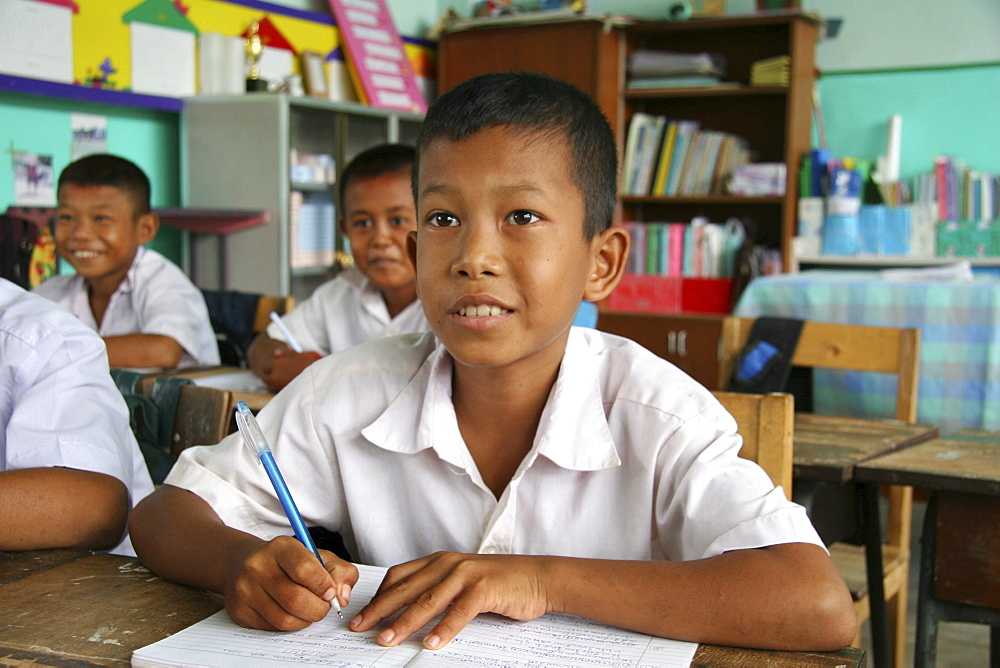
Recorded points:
37,40
162,60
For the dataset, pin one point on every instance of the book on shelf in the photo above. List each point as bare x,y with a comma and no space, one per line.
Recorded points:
686,129
699,249
771,71
687,81
646,63
663,164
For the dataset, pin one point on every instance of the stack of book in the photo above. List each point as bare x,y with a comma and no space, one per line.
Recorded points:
698,249
770,71
313,224
961,193
676,157
649,68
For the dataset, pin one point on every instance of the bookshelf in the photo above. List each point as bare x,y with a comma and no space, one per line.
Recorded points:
251,152
774,120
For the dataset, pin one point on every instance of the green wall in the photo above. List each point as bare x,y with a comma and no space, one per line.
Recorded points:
948,111
149,138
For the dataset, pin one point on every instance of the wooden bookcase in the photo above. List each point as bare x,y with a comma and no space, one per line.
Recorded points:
592,55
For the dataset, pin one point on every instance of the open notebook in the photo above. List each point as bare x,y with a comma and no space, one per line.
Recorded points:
489,640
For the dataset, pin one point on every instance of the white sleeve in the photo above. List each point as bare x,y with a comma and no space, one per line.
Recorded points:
710,500
69,413
171,305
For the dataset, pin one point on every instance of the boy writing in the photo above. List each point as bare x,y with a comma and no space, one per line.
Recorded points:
505,462
143,306
70,468
375,298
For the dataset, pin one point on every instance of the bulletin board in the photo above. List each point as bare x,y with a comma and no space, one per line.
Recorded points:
101,38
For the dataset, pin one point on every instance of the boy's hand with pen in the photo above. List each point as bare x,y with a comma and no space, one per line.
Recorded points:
285,365
280,585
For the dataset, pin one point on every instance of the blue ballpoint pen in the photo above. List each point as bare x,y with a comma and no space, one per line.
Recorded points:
253,437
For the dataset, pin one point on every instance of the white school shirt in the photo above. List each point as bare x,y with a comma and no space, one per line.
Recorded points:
155,297
632,460
344,312
58,404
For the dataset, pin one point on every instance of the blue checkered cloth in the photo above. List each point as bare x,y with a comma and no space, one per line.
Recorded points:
959,341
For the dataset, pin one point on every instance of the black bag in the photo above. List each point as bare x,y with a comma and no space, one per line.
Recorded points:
152,418
765,363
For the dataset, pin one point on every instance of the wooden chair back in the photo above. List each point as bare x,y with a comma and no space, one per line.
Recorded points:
892,350
765,421
268,303
204,415
828,345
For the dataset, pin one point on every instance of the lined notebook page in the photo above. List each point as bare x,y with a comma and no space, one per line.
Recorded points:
489,640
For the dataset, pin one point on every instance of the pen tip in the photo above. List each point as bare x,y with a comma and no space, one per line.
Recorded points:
340,614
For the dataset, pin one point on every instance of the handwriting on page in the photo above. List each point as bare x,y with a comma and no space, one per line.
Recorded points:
489,640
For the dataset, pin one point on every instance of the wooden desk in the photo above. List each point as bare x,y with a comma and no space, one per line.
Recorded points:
960,545
17,565
95,610
227,377
826,455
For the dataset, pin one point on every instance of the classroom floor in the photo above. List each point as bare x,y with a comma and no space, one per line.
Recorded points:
959,645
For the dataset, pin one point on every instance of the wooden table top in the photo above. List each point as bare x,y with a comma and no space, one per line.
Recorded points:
829,447
94,610
17,565
966,461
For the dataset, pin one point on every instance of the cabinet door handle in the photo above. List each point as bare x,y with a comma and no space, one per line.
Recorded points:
682,343
671,343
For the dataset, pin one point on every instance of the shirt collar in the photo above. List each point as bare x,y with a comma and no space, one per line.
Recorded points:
128,283
573,431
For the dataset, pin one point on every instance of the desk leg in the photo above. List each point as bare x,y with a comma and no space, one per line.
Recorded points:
925,645
871,525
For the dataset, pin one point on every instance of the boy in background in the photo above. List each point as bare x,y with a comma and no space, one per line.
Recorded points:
70,468
506,462
377,296
147,311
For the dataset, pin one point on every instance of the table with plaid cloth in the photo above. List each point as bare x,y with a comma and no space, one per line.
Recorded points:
959,323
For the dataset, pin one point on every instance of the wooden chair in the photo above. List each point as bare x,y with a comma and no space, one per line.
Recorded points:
237,317
765,422
266,304
864,348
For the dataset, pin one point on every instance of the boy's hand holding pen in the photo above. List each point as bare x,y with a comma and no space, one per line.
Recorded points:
267,592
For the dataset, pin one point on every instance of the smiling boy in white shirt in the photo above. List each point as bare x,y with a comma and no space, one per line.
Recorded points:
508,462
147,311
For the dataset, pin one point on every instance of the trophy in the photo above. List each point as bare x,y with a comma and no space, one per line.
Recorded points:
254,48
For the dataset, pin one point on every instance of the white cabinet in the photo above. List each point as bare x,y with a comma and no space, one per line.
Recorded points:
238,153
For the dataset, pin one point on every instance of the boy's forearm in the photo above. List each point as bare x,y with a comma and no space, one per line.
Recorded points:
51,507
783,597
143,351
179,537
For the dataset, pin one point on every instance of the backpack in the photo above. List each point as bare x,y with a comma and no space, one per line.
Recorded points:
152,417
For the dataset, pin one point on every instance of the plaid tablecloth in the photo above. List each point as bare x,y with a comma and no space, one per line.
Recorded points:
959,347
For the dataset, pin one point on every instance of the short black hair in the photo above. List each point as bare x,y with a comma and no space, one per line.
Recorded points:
535,104
376,161
103,169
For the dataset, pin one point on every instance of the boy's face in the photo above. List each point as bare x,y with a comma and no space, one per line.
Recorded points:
502,262
98,232
378,214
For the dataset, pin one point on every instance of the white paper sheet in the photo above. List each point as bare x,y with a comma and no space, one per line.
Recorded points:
237,381
37,40
489,640
162,60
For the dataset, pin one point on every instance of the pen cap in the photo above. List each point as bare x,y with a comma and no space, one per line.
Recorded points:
253,438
